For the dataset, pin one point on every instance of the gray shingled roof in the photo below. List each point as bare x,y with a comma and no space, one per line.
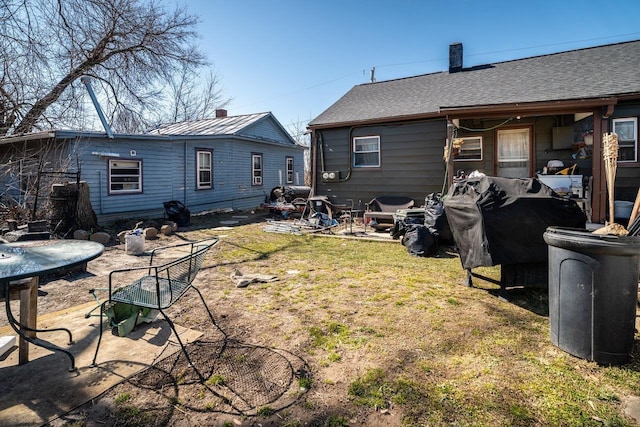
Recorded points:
592,73
231,125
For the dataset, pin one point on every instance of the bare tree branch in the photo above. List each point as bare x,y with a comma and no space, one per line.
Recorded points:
191,98
137,46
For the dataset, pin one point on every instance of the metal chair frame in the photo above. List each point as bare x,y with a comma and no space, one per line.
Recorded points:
161,287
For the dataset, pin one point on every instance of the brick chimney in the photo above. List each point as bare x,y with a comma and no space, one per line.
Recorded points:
221,113
455,57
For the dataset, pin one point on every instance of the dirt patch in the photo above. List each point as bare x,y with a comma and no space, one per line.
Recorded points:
246,370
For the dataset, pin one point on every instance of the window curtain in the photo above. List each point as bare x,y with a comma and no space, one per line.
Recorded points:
513,145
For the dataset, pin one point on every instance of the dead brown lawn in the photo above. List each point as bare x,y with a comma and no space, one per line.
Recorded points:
373,335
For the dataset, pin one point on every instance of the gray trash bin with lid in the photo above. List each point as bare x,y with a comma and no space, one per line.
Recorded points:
593,291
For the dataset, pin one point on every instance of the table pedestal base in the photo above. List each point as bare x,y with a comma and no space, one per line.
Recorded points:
26,328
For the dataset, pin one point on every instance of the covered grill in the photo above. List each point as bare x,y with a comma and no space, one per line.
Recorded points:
501,221
287,199
289,193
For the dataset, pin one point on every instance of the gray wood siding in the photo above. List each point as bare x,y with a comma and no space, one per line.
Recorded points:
410,162
164,177
268,130
627,174
158,174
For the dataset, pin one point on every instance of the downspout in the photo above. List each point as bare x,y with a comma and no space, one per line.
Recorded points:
87,82
184,178
100,192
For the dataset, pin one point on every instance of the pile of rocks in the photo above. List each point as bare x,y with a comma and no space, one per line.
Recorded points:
150,233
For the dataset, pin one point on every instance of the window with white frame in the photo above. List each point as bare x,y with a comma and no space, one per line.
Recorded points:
256,169
469,148
125,176
627,131
289,169
204,169
366,151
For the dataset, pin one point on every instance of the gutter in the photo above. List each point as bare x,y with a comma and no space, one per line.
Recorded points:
488,110
28,137
377,121
547,108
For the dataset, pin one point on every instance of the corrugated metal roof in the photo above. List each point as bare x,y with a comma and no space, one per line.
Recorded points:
590,73
229,125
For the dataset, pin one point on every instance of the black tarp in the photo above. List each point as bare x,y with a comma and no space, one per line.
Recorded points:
418,240
502,220
435,219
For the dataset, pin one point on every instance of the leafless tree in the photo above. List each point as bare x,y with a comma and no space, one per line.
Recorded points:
131,48
190,97
298,131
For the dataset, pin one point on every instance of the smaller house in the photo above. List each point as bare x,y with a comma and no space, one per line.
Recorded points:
218,163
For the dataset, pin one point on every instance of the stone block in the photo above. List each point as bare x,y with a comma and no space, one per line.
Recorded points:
81,235
150,233
100,237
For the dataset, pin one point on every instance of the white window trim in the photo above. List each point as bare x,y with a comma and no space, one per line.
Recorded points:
199,168
635,136
475,159
112,164
256,179
289,170
355,139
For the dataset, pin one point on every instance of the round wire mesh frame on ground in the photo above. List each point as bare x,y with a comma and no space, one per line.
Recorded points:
241,379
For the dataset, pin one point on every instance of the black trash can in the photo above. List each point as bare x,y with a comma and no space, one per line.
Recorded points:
176,211
593,292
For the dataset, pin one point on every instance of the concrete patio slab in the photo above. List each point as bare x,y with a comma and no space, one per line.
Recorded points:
44,389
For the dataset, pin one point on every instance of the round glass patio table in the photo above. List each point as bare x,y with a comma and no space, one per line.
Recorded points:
19,260
30,259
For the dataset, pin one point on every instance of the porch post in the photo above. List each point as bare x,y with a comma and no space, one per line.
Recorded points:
449,165
599,190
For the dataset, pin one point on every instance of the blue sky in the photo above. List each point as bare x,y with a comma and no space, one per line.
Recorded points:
296,58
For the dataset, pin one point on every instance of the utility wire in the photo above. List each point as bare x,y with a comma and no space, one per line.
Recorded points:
508,50
486,129
434,60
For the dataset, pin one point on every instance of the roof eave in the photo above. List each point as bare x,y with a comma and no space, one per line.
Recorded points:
28,137
528,108
492,110
378,120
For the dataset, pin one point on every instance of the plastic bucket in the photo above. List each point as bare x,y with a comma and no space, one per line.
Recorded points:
593,291
622,209
134,244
